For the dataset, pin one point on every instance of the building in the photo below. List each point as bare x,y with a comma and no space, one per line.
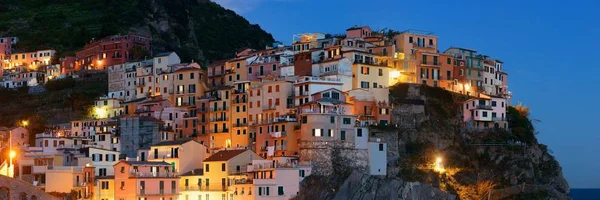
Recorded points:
221,173
145,180
485,112
111,50
377,157
32,60
16,136
278,178
183,155
137,132
65,179
103,160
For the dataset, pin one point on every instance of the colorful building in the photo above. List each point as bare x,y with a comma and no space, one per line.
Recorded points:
111,50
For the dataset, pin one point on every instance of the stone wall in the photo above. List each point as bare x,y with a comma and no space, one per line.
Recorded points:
16,189
326,155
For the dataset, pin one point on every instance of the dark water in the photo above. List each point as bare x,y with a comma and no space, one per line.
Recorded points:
585,194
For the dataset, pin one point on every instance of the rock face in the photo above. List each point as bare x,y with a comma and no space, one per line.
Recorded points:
426,125
198,30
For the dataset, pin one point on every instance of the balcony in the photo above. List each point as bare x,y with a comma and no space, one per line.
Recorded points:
423,46
204,188
239,92
240,100
153,174
485,107
219,109
140,84
202,109
278,134
499,119
285,119
240,125
219,130
160,192
370,62
218,119
39,169
430,63
269,107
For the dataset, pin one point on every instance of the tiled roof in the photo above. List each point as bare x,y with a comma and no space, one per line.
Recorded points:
194,172
225,155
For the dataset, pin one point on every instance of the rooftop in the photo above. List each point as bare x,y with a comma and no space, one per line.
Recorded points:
164,54
225,155
172,142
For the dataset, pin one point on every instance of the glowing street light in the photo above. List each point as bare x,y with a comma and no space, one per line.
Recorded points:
12,154
25,123
437,166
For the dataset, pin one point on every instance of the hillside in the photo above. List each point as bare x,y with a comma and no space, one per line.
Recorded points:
196,29
492,164
62,101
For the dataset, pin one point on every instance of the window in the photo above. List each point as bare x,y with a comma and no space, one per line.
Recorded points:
207,168
274,67
222,166
332,119
380,147
364,70
280,190
346,120
485,113
449,60
359,132
374,85
301,173
493,103
250,70
305,120
380,72
317,132
191,75
330,132
364,84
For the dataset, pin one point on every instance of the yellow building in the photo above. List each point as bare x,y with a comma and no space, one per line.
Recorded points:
223,177
105,187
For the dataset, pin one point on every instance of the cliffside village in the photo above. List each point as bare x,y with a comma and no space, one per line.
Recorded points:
250,127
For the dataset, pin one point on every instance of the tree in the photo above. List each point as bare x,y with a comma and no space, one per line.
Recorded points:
137,52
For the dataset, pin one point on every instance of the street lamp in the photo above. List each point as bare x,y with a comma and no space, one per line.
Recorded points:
25,123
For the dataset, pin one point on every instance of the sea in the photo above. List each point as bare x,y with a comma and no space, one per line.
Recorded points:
585,194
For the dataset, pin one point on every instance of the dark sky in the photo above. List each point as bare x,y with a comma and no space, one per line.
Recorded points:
549,49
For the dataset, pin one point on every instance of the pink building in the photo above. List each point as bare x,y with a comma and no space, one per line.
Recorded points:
358,32
19,136
145,180
485,112
111,50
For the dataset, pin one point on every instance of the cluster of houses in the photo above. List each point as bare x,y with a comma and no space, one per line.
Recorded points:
243,128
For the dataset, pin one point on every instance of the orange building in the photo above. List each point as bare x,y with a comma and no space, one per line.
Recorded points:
147,180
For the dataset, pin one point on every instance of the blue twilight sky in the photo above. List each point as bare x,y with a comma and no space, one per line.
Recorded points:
549,49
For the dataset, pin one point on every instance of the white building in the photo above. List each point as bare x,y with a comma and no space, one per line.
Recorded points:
377,157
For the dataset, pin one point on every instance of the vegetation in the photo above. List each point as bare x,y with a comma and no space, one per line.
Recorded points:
520,124
64,100
199,30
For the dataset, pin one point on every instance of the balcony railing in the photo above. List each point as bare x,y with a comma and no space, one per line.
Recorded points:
278,134
240,124
204,188
160,192
431,63
269,107
218,119
499,119
219,108
428,46
370,62
240,100
487,107
219,130
154,174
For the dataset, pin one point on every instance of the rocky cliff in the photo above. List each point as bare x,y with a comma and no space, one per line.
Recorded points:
491,164
196,29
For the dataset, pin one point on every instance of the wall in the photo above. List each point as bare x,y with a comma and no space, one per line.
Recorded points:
324,154
377,159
